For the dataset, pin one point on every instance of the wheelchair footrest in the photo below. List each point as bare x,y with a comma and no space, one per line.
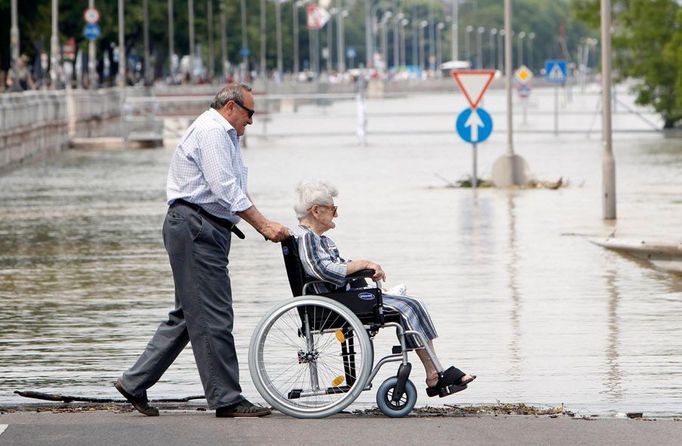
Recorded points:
449,390
300,393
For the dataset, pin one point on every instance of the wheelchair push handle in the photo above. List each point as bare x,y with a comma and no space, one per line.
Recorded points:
364,274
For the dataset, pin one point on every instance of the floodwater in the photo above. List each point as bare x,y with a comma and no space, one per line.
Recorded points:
519,295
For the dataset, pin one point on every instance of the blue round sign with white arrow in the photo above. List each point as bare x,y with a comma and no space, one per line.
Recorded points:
474,125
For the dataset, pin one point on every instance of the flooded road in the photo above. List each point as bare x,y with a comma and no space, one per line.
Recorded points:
518,294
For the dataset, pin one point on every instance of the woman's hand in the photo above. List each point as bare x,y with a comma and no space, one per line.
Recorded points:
378,271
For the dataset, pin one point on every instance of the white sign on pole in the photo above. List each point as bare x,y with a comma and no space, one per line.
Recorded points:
473,84
91,15
317,17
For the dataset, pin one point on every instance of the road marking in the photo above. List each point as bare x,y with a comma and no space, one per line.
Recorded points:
2,428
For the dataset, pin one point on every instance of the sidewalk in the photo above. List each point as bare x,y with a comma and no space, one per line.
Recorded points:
203,428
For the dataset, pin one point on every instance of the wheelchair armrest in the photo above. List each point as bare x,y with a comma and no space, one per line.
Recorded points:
364,273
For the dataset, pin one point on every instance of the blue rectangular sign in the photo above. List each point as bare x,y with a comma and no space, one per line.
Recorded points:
556,71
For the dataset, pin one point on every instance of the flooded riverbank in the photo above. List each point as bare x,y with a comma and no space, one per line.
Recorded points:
518,294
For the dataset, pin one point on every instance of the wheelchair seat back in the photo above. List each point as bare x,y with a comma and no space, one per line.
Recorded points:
366,303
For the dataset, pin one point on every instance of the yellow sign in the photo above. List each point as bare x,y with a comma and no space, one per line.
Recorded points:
523,74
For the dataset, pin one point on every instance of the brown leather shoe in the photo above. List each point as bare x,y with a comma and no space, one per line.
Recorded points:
141,404
242,409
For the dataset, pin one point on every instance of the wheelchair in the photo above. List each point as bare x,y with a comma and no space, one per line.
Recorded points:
312,356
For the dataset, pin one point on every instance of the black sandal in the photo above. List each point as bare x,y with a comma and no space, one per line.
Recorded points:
449,382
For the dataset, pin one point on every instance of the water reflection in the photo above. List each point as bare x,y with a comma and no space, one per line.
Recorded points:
515,364
613,377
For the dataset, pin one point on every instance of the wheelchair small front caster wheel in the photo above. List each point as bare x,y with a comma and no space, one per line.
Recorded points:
396,409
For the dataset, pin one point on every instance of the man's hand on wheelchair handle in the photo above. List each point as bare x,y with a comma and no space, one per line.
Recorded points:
275,232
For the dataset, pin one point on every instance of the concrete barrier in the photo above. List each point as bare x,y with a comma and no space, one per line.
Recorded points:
35,124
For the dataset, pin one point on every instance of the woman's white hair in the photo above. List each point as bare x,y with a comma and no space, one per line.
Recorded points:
312,192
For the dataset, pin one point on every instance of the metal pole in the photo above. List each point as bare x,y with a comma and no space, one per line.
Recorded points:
223,42
454,30
396,37
508,74
145,38
245,45
467,42
369,40
432,39
171,39
190,6
474,177
294,6
608,161
500,51
92,57
54,44
479,47
340,39
491,42
330,41
211,49
121,47
278,18
520,47
263,42
556,110
14,39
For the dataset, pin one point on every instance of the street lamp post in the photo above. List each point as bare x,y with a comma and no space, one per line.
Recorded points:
92,56
403,58
500,50
223,42
145,38
190,11
491,43
54,44
211,48
454,30
384,37
14,39
340,39
520,47
467,42
369,39
531,37
278,32
396,36
171,40
263,42
245,45
439,45
608,161
422,26
330,39
121,48
479,47
294,8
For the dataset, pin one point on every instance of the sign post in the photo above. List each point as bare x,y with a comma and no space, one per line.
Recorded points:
523,77
474,124
556,72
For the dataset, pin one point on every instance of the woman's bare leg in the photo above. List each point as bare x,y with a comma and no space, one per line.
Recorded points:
430,369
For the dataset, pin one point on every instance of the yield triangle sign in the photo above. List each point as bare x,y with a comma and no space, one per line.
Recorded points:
473,84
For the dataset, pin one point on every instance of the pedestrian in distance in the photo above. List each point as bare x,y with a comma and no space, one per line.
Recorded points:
207,197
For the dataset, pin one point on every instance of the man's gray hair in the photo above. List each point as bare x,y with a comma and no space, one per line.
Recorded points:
312,192
232,92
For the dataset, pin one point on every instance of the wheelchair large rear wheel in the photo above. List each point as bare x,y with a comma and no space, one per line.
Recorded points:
310,357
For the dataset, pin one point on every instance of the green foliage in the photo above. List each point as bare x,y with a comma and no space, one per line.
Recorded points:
647,42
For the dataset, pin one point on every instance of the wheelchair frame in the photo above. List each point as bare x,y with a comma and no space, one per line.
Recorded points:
395,397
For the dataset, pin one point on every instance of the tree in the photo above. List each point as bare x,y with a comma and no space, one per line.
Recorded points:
647,40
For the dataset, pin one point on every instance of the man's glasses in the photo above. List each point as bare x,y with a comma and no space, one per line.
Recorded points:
248,110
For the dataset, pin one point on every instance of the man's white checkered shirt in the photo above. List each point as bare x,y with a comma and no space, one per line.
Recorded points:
207,168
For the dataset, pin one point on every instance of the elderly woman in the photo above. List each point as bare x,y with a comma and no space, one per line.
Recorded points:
321,260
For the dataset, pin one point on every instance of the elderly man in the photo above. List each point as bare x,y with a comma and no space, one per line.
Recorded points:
207,196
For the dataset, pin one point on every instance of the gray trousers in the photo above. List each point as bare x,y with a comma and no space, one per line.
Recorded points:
198,250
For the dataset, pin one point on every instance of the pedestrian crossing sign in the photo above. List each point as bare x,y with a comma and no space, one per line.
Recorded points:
556,71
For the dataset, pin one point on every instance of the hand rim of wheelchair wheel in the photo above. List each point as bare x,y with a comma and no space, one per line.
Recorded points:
406,403
297,402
